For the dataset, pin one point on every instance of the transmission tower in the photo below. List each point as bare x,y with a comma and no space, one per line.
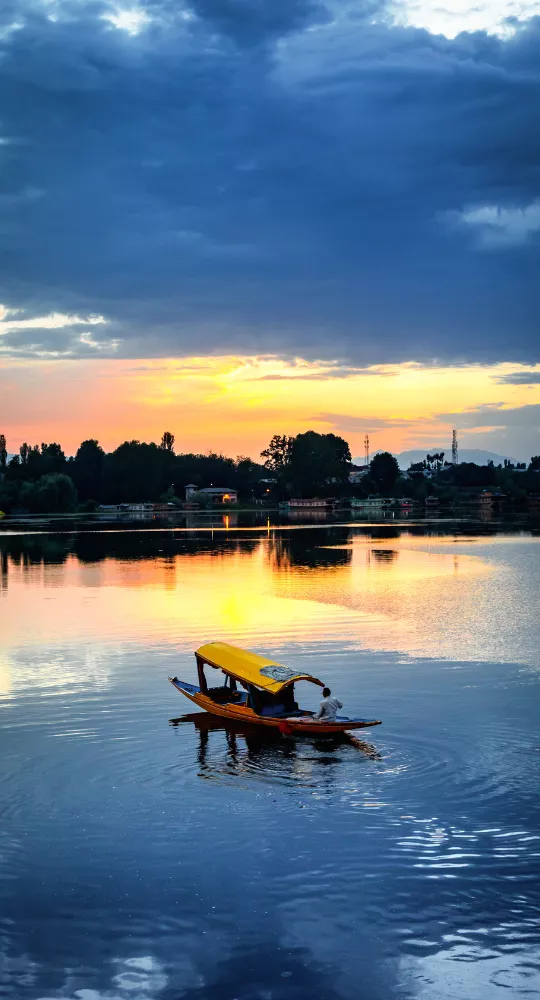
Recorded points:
454,448
366,449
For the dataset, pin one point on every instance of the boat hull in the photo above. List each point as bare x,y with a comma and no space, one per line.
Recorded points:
289,724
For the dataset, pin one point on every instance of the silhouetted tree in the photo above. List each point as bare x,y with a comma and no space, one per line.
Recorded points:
534,465
278,454
136,472
3,454
52,494
87,470
167,441
384,471
52,459
247,476
317,461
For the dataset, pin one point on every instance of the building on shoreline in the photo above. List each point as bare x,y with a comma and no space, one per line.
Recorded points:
210,494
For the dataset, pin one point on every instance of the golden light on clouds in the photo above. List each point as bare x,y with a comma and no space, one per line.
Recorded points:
235,404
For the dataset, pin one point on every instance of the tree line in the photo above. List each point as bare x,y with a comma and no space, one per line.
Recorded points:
41,479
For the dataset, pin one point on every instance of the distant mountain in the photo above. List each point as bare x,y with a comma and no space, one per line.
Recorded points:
476,455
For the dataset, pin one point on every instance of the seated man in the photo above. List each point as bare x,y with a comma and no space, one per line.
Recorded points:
329,707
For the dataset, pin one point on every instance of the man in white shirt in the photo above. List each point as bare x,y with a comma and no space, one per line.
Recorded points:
329,707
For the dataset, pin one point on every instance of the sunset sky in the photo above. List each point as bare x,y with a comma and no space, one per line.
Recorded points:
235,218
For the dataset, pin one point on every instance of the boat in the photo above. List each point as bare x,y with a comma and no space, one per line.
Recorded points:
313,503
267,698
369,503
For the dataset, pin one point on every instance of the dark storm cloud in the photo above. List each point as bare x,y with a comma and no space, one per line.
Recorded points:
258,178
257,21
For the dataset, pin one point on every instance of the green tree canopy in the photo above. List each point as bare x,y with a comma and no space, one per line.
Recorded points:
51,494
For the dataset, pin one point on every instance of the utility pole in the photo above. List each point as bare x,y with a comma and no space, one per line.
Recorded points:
366,449
454,448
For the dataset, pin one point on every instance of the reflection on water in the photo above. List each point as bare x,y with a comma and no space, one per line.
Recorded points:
266,752
422,593
154,855
385,555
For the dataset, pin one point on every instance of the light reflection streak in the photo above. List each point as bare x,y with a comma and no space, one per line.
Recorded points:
267,589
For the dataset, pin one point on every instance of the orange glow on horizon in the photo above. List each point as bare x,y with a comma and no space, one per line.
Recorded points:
235,405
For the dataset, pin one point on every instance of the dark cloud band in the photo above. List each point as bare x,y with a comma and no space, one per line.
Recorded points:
284,177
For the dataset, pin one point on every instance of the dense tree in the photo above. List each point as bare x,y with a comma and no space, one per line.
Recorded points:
56,493
309,462
35,462
278,454
52,494
203,470
318,461
469,475
3,454
52,459
534,465
87,470
167,441
384,471
435,461
134,472
247,477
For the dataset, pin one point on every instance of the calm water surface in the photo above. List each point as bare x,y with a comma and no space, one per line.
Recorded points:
150,855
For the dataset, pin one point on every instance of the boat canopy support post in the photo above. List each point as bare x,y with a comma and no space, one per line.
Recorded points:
200,671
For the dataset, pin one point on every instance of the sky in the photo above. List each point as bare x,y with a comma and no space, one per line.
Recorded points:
235,218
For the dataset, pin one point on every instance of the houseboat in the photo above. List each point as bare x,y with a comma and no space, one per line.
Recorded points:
369,503
484,499
257,691
314,503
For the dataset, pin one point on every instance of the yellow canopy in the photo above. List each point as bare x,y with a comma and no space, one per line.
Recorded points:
251,667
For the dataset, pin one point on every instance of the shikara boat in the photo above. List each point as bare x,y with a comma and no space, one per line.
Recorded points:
257,691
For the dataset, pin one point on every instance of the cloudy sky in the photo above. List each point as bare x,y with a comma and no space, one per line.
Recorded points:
231,218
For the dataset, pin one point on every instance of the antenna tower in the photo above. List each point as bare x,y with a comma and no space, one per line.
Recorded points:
366,449
454,448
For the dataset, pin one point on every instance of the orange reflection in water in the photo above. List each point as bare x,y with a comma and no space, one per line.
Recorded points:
272,594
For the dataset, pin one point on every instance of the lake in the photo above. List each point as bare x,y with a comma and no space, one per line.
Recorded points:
149,856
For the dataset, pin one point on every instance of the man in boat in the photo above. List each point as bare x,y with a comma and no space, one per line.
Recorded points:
329,707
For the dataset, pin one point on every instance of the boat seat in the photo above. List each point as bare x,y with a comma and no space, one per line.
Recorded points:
220,694
223,695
